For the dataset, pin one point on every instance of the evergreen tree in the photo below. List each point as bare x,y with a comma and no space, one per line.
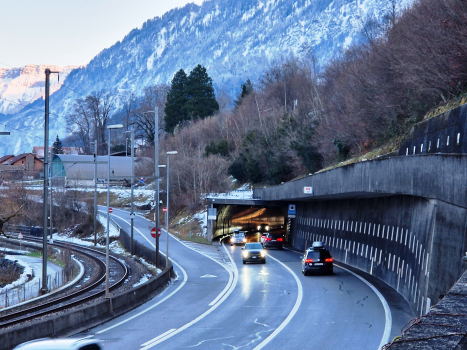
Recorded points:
174,109
57,146
247,88
201,100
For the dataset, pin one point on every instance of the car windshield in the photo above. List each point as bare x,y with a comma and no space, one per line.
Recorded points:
253,246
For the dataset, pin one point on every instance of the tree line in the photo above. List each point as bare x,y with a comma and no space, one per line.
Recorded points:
295,120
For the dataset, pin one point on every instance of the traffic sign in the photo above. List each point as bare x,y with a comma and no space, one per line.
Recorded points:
164,210
153,232
20,235
110,210
141,181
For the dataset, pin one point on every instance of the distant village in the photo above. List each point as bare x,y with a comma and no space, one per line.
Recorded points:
70,169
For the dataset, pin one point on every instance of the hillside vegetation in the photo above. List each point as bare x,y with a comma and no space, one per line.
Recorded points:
295,120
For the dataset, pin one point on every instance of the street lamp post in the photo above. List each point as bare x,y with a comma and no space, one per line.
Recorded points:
156,178
132,214
110,127
169,153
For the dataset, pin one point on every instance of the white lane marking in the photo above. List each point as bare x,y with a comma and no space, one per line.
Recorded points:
235,271
387,310
185,278
199,318
158,337
208,276
219,300
291,314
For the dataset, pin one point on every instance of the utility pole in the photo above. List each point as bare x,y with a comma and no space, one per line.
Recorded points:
44,288
156,178
132,214
95,192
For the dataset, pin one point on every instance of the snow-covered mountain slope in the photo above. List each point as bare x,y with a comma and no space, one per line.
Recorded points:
21,86
234,39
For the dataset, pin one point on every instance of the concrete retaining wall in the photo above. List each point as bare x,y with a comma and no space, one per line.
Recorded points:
403,219
413,244
446,133
82,318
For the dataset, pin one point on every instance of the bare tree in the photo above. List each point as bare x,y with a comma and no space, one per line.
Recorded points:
89,119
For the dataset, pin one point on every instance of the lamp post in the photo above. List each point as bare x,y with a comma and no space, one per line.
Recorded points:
156,178
109,127
95,192
169,153
132,214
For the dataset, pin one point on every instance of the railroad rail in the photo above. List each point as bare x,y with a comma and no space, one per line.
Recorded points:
88,291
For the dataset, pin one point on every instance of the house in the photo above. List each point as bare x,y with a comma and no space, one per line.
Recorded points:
6,158
23,166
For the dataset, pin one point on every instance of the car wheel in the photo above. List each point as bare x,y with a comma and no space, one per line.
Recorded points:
244,262
264,261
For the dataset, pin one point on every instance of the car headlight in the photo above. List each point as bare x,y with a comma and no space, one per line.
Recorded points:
263,253
244,240
245,254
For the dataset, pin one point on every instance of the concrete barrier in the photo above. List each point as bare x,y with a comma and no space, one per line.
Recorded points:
402,219
82,318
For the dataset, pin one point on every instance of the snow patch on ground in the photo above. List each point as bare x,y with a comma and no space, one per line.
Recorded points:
143,279
23,278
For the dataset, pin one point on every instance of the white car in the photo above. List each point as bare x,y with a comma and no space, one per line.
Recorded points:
61,344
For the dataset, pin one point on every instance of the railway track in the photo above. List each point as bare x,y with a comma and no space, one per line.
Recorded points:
91,285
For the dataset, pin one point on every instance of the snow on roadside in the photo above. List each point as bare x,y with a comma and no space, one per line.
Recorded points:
143,279
23,278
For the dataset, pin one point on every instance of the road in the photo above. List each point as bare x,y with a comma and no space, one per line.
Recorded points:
216,302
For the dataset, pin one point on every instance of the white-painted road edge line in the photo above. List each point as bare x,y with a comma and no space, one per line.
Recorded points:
291,314
185,278
199,318
230,287
387,310
225,267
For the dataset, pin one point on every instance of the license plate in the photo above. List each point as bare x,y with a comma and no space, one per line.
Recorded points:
254,257
319,264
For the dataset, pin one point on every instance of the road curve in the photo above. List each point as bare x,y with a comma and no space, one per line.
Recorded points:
218,303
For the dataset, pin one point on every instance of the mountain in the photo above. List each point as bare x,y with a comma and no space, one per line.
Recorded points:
21,86
234,39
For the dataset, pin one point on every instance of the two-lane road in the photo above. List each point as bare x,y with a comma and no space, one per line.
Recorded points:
216,302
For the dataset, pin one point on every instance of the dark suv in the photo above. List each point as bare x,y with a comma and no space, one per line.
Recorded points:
272,240
317,259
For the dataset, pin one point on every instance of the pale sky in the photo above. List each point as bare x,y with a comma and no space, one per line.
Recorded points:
70,32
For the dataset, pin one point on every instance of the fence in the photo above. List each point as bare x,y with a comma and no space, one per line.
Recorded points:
32,289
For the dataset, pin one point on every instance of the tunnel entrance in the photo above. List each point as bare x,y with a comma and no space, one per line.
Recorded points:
253,220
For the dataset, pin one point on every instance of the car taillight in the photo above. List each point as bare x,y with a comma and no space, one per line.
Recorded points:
268,239
328,260
279,239
308,260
